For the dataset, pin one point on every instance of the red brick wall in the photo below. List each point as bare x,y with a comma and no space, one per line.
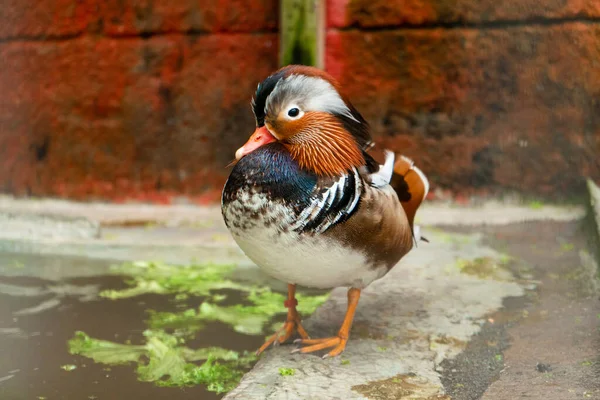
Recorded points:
121,99
482,93
126,99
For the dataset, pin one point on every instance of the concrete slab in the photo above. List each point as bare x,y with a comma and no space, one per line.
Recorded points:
448,322
426,330
432,213
422,313
554,339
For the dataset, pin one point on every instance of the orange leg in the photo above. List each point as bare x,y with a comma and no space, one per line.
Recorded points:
291,324
337,342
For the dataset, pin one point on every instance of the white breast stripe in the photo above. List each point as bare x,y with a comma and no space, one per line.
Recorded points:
326,203
340,186
351,206
309,212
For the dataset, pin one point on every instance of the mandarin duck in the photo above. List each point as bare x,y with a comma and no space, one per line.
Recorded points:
309,204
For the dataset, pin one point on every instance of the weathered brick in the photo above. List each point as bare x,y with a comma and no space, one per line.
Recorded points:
517,108
145,16
508,107
127,118
41,18
374,13
26,19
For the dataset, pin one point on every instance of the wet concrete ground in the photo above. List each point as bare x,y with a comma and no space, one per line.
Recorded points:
543,345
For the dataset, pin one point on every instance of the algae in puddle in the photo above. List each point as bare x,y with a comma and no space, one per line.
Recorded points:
162,278
247,319
204,280
166,361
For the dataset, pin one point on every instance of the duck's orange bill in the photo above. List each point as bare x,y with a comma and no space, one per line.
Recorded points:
260,137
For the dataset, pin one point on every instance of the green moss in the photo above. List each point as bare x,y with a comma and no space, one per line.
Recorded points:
505,259
441,236
287,371
166,361
345,362
217,298
248,319
299,38
484,268
161,278
566,247
535,205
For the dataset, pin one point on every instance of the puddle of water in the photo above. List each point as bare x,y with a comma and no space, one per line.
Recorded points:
34,346
50,267
43,304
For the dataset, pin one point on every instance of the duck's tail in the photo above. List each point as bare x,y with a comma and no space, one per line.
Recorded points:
411,186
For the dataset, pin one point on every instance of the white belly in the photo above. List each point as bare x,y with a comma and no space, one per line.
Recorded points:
307,260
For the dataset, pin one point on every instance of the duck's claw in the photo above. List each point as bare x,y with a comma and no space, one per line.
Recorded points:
285,333
338,343
292,324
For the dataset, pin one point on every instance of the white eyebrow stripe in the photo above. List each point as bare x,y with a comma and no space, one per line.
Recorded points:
311,93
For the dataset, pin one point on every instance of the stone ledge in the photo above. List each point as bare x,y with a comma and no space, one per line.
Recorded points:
183,233
594,221
40,226
489,212
594,202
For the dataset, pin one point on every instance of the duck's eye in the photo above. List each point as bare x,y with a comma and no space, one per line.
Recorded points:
293,112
